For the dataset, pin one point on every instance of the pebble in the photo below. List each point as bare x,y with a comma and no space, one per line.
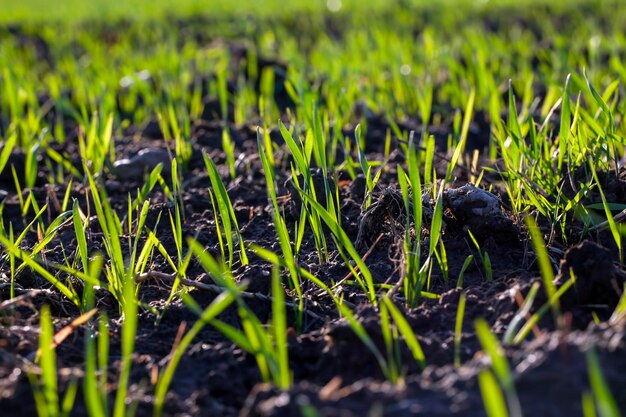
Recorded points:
145,161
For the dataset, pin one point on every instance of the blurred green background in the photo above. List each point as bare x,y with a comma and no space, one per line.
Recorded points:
78,10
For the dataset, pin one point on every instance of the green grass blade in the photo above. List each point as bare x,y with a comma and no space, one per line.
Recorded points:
279,329
493,399
604,399
26,258
406,331
458,328
47,362
547,273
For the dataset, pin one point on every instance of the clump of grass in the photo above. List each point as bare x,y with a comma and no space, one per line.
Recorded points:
302,156
45,386
377,72
32,259
410,183
228,220
268,346
280,224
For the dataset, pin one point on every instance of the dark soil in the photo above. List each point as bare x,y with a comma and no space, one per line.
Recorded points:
333,371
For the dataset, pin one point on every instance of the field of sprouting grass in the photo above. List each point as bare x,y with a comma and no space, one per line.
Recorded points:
328,208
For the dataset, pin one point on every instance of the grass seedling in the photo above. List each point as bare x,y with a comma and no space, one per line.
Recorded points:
404,329
458,328
81,223
227,214
484,257
96,356
96,366
516,322
390,338
442,259
12,264
500,366
281,226
310,217
460,147
178,263
222,88
301,154
172,130
434,239
129,332
29,260
8,146
547,274
564,135
466,264
428,156
343,242
279,331
46,386
112,230
551,304
97,146
366,167
616,230
495,406
103,357
620,309
31,164
268,346
412,277
604,400
24,204
229,149
120,268
589,408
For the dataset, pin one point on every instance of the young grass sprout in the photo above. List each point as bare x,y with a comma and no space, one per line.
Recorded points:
365,128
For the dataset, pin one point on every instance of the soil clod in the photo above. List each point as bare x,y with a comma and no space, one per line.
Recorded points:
598,280
480,212
386,214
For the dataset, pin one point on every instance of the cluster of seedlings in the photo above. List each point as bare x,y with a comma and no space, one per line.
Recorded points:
363,217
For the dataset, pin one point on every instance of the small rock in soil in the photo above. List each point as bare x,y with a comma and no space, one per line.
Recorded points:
145,161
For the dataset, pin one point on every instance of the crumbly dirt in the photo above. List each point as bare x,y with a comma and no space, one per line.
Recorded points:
333,371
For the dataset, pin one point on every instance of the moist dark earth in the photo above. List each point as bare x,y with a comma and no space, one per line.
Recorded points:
333,371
